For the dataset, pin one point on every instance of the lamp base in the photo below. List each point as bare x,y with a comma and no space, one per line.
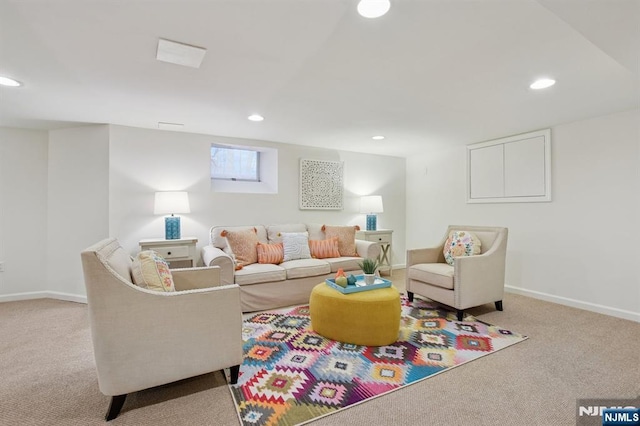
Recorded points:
172,227
372,224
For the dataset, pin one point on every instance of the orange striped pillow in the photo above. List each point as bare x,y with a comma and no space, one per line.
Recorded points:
323,249
270,253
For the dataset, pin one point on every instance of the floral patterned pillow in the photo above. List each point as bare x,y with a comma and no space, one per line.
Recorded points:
150,271
461,243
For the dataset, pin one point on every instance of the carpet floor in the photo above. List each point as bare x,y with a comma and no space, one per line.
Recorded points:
291,375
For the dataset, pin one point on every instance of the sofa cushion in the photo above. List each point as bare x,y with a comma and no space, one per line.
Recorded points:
270,253
274,232
260,273
346,238
438,274
346,263
305,268
150,271
316,231
243,245
461,243
296,245
322,249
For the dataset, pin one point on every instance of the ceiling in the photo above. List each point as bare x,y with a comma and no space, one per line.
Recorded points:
429,73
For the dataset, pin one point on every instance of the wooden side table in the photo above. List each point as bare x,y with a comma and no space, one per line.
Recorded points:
180,253
382,237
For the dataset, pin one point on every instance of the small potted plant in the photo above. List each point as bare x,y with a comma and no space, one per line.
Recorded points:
369,267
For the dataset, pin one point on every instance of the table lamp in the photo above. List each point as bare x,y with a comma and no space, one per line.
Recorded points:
171,202
371,205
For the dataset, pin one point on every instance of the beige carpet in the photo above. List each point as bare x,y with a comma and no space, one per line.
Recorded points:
47,374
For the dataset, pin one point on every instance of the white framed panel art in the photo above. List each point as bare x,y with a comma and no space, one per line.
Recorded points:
321,185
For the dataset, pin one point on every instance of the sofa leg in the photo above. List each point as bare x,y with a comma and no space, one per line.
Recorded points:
410,296
499,305
460,314
235,371
115,406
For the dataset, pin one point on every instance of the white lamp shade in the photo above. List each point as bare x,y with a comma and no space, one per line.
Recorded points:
371,204
171,202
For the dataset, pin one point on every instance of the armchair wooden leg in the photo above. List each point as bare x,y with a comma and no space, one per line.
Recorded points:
115,406
499,305
235,371
460,314
410,296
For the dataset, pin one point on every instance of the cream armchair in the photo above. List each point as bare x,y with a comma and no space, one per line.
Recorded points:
472,281
143,338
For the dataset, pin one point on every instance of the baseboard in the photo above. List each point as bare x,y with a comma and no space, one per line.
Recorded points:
43,295
593,307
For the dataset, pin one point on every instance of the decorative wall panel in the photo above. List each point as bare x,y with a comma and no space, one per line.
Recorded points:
321,185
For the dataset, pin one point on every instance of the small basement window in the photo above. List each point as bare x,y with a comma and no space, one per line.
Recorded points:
235,164
244,169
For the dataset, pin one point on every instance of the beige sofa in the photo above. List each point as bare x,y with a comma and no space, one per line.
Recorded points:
268,286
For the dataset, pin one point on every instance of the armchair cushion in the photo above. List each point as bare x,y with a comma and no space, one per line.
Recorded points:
461,243
150,271
438,274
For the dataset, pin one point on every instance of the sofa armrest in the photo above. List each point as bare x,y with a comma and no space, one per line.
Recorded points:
425,255
368,249
213,256
192,278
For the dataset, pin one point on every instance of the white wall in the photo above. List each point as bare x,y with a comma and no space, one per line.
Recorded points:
77,199
23,211
580,249
143,161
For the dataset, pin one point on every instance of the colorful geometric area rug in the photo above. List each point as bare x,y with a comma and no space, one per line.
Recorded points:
291,375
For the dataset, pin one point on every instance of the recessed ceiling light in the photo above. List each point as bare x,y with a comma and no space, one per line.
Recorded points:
6,81
542,83
377,138
180,53
373,8
255,117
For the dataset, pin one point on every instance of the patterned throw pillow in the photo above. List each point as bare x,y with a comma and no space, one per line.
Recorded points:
346,238
150,271
270,253
296,245
461,243
243,245
323,249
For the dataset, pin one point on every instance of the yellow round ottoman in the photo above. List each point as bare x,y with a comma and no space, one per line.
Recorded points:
369,318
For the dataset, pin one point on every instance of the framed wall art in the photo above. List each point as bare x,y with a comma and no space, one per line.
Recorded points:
321,185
